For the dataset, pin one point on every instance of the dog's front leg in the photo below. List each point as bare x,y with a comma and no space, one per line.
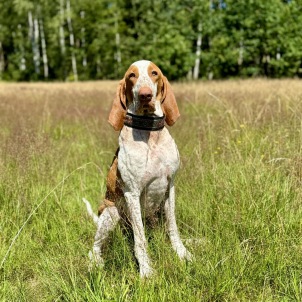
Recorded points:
176,242
140,242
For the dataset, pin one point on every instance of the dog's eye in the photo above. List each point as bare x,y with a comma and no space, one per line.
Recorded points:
154,73
131,75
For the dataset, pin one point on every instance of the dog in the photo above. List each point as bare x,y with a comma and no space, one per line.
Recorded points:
141,178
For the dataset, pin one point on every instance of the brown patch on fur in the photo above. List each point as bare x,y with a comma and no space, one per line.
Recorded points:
130,77
165,94
169,104
119,108
155,74
114,183
124,96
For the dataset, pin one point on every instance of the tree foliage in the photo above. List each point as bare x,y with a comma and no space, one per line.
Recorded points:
98,39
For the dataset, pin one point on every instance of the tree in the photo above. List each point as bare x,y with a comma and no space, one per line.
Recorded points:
99,39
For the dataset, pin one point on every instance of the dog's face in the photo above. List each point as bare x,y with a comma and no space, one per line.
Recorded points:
144,88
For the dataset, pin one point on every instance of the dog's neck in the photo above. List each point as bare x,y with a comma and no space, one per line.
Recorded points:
141,122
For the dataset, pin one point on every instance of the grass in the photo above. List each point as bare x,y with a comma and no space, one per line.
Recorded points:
238,195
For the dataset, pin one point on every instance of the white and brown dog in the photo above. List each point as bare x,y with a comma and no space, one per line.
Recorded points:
141,177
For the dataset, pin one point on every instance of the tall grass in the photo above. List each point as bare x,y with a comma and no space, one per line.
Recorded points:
238,195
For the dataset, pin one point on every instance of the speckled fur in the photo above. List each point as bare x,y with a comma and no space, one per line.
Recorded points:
147,163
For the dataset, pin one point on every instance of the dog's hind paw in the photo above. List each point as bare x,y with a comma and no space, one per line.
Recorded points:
95,260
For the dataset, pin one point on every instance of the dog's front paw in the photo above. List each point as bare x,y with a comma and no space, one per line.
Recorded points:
188,256
146,271
184,254
95,260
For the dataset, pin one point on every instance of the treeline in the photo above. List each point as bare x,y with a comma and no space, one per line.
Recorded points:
98,39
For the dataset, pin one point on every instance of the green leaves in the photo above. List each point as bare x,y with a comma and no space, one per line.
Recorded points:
238,38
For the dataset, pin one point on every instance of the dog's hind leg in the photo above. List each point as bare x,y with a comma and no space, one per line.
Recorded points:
106,223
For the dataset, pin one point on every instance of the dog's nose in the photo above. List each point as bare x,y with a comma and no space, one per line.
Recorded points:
145,94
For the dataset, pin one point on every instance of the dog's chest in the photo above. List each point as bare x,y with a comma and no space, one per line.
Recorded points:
147,161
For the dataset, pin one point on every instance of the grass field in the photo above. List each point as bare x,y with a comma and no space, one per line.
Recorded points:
238,199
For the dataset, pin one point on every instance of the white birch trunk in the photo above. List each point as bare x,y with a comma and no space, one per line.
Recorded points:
33,34
22,65
30,26
278,55
241,49
71,39
118,55
44,50
36,45
240,56
209,69
31,37
83,41
61,30
98,65
198,52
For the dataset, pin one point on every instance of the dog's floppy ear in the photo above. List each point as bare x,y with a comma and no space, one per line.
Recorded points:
119,107
169,104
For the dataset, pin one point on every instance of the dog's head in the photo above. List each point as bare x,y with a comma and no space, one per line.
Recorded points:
144,90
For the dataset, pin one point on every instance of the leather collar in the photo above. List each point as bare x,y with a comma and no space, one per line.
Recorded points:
151,123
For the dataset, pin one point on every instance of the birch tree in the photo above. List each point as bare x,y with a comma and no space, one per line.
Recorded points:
118,55
61,28
198,52
98,39
83,40
33,33
71,40
44,50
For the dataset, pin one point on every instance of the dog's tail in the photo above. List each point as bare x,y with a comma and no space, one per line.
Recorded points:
90,212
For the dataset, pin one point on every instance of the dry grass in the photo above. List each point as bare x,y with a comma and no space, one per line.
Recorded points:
238,193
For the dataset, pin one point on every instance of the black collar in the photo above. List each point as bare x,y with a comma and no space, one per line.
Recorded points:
151,123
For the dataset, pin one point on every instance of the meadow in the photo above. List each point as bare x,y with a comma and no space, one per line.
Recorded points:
238,195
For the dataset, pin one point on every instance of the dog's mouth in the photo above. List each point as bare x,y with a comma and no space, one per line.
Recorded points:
148,112
146,109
